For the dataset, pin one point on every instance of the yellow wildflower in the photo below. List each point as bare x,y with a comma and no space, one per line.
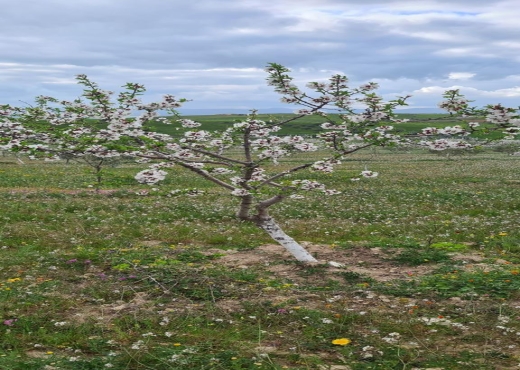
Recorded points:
341,341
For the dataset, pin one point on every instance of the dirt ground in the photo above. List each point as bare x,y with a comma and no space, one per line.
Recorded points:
374,263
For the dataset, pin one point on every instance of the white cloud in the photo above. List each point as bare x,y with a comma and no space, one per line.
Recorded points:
473,52
461,75
511,92
471,92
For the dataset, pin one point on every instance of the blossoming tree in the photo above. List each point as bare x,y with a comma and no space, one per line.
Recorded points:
475,123
90,130
236,158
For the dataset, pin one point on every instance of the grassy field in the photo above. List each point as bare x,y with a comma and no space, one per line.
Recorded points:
129,278
309,125
306,125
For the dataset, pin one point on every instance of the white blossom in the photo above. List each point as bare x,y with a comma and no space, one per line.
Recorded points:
306,147
150,176
188,123
369,174
240,192
221,171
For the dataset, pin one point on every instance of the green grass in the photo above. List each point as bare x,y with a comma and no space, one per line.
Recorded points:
308,125
133,279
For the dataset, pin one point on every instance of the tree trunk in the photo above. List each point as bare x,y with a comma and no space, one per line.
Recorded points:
271,227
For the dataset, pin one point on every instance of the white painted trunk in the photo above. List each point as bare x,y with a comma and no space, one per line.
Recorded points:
291,245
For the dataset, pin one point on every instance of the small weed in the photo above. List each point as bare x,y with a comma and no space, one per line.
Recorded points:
354,277
449,247
415,257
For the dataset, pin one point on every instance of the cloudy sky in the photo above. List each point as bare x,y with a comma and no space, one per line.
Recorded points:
214,51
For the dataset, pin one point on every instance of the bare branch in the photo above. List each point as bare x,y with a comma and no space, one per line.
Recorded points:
206,175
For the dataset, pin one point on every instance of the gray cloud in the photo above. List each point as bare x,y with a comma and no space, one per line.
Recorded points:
213,51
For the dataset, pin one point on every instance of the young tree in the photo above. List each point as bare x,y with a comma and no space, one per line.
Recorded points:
89,129
236,158
476,124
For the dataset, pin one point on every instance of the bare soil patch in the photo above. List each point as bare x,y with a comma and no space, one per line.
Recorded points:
371,262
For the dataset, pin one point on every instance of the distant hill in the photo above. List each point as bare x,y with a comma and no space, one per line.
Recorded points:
217,111
421,111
